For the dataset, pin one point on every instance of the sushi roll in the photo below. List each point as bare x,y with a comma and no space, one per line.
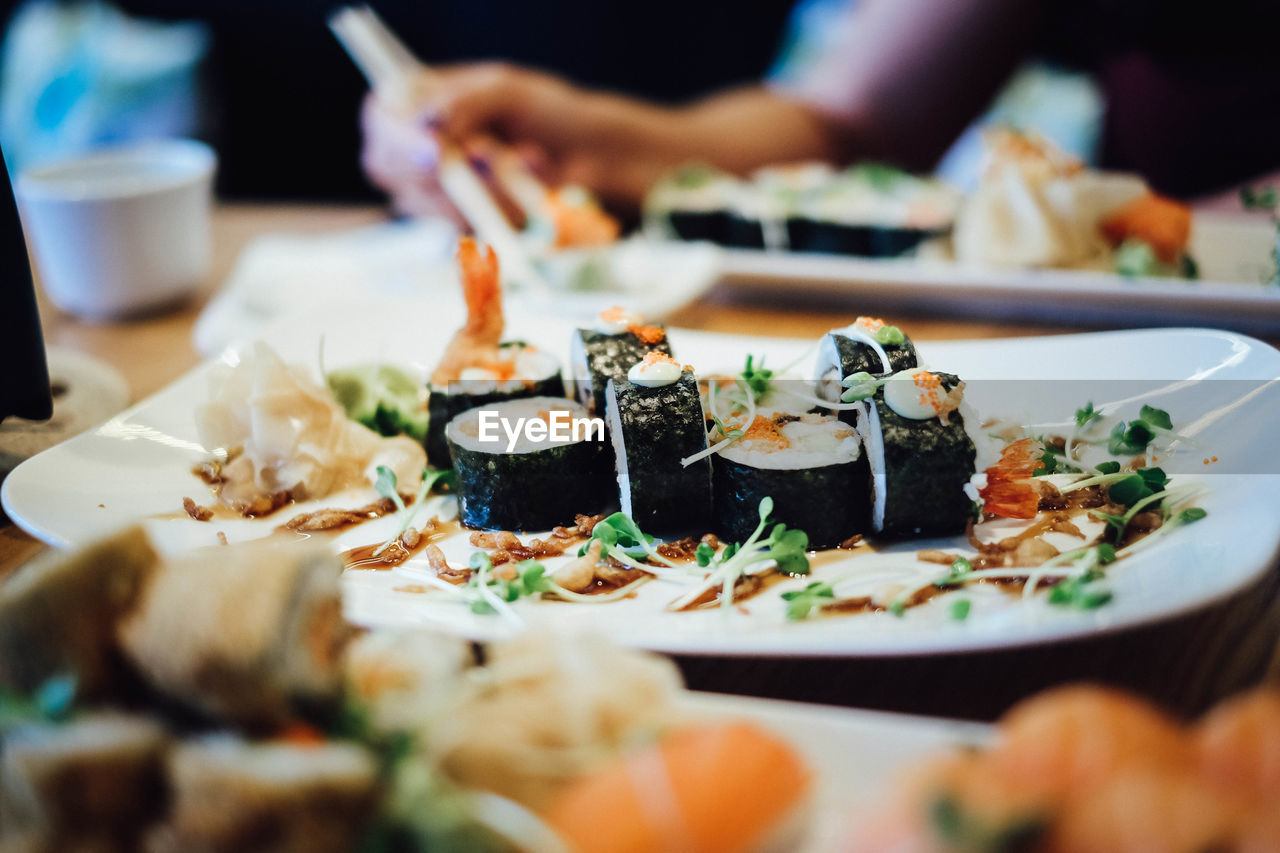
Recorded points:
58,614
98,776
232,794
257,659
857,348
920,454
515,475
517,370
872,210
813,467
655,420
694,203
619,340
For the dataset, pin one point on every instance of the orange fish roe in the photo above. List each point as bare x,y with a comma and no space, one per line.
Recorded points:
1010,492
648,334
765,431
654,357
1210,460
869,324
931,390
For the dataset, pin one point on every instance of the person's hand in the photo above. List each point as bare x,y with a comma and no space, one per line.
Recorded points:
564,133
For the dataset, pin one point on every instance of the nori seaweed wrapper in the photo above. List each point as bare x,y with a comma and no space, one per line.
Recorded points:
855,356
830,503
745,232
443,405
609,357
710,225
532,491
871,241
654,429
926,467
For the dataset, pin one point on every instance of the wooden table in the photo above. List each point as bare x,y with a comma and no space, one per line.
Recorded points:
152,352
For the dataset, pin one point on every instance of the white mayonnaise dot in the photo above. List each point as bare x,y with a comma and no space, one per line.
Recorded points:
904,396
654,375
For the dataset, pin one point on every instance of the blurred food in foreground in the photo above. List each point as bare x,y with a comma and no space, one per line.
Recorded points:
239,711
1088,768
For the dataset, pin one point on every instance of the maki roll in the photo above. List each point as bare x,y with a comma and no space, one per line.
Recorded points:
477,367
619,340
694,203
871,210
518,370
229,793
865,346
920,455
529,464
813,467
655,420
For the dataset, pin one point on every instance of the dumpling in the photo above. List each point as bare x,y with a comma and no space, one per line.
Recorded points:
1038,207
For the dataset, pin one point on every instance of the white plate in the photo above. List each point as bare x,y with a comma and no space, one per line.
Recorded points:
854,755
1234,254
137,466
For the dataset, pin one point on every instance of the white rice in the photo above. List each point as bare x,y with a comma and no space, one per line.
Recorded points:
814,441
464,430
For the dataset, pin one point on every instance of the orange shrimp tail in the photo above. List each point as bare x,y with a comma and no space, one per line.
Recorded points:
1010,491
482,290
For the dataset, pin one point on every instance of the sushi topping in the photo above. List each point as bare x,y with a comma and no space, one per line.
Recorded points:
1011,490
476,344
655,370
870,338
884,334
578,219
919,395
617,320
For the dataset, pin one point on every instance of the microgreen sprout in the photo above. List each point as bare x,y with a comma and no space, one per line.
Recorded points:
959,610
784,548
802,602
860,386
386,486
621,538
757,377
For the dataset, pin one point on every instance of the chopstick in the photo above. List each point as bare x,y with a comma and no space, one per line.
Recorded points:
396,75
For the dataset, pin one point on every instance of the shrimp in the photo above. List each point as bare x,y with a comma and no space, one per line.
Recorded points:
1238,745
476,343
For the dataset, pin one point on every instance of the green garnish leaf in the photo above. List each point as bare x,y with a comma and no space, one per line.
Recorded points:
1189,515
1109,467
960,609
1078,594
802,602
1086,415
1155,417
897,608
385,485
757,377
704,554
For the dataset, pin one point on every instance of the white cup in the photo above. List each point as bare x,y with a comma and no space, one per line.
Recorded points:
121,231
